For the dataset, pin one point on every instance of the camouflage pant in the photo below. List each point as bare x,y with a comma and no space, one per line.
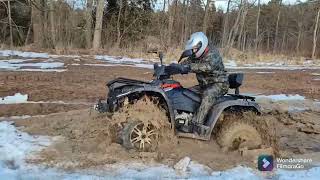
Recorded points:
209,97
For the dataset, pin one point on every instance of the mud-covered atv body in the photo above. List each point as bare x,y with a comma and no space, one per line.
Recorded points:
180,103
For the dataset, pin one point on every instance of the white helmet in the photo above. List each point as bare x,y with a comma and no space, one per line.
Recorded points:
198,40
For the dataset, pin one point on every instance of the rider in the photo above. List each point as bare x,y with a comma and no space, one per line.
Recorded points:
206,62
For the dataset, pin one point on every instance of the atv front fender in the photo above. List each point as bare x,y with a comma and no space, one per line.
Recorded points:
217,109
159,92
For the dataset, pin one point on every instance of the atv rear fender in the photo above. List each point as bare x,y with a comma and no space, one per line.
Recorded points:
234,105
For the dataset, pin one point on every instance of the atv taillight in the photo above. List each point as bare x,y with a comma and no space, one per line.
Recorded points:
175,85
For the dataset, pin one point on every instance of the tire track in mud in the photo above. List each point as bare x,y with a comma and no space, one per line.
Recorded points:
86,139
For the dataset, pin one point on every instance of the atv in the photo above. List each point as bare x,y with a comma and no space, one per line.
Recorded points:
180,104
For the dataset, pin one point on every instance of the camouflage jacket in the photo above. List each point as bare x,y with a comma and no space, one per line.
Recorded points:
208,69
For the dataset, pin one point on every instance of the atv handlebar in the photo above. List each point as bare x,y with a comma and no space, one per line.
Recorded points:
165,71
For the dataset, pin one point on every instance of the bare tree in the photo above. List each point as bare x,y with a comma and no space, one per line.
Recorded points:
118,24
226,23
315,35
98,27
52,23
206,15
277,28
171,12
89,23
257,28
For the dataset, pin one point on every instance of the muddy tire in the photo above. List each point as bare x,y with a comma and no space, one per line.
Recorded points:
139,136
238,134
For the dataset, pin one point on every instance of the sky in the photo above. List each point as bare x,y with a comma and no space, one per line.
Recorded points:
222,4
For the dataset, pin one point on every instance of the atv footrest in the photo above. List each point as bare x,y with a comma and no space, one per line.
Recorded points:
192,135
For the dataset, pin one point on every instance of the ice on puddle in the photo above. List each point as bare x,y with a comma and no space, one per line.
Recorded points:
15,99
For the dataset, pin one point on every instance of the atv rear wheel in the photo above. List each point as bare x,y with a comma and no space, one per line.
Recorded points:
140,136
238,134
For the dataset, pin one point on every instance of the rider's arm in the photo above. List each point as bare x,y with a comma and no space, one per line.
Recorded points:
212,62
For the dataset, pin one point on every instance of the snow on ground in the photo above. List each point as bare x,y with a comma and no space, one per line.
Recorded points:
143,63
266,72
15,99
281,97
19,64
7,53
230,63
18,98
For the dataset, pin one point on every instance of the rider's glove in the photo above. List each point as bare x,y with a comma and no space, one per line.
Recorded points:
185,69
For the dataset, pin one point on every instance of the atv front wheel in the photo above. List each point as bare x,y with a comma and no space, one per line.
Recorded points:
140,136
238,134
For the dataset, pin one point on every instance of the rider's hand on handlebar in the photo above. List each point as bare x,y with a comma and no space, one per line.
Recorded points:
183,69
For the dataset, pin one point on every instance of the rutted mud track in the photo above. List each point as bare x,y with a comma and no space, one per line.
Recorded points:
85,139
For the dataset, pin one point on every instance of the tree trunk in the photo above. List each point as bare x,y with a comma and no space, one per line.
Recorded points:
118,25
37,24
243,20
171,10
234,29
184,18
298,40
89,24
226,23
98,26
268,41
257,28
205,19
186,22
277,29
10,24
315,35
52,24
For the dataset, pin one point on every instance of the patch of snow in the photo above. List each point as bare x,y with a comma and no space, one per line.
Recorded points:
17,64
236,173
310,174
288,67
266,72
316,79
281,97
141,63
114,59
315,74
230,63
15,99
182,164
15,145
15,117
42,70
7,53
67,56
147,66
